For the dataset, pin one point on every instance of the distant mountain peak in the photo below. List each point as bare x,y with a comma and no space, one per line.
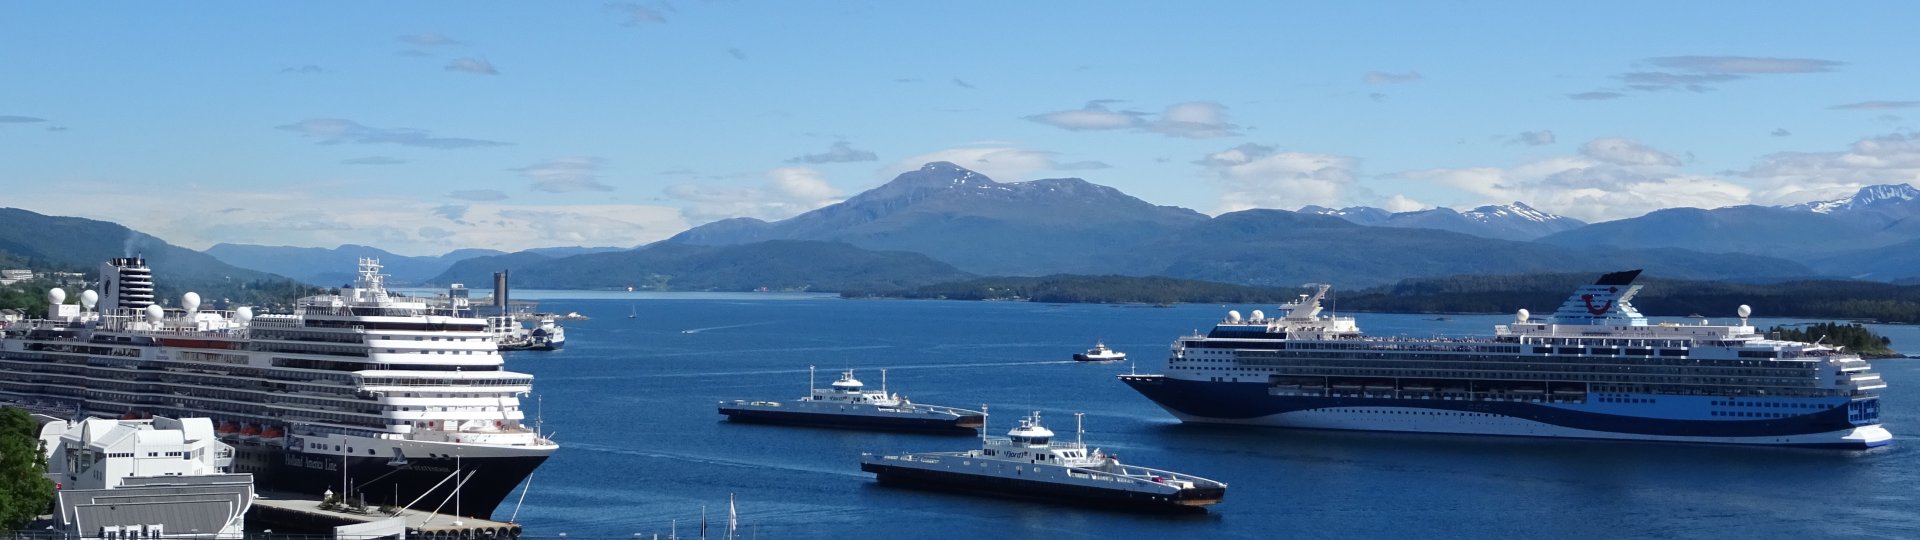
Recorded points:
1867,197
1518,210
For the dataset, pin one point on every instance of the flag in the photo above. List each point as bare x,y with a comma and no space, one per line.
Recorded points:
733,518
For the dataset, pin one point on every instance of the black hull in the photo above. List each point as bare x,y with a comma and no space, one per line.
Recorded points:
381,481
1182,502
964,425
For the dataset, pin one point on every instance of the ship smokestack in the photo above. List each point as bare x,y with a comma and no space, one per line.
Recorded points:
500,291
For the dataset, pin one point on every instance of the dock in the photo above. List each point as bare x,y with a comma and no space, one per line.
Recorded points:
294,513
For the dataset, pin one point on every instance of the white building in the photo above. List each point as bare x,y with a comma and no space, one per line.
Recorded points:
147,479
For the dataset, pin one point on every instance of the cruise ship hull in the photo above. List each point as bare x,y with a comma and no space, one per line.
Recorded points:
1245,403
916,422
382,480
1183,501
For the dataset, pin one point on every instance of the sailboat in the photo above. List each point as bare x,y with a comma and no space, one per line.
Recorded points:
635,314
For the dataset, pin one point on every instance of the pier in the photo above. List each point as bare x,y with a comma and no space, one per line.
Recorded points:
294,513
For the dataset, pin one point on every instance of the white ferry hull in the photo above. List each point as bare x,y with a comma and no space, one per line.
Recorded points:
1400,419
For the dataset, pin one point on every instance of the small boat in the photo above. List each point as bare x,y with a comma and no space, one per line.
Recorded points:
1028,464
846,404
1099,353
635,314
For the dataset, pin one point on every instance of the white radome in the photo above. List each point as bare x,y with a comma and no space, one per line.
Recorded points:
1233,315
56,295
1744,311
89,298
190,302
245,313
1259,315
155,312
1522,315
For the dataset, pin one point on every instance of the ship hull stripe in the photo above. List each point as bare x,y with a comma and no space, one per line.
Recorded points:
1250,403
1016,488
949,425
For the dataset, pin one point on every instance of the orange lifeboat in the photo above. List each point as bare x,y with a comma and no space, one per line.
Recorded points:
250,431
226,428
272,433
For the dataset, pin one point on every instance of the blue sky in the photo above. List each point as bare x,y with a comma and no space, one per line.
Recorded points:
422,127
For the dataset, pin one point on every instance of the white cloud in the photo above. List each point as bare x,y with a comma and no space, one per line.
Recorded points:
1533,138
1876,105
998,161
1796,177
343,131
1193,120
1745,64
1382,77
788,192
1614,178
840,152
475,66
1622,151
328,218
637,14
1094,116
566,175
1259,176
1401,203
429,40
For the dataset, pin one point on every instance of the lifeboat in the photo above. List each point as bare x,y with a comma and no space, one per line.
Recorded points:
250,432
272,434
226,429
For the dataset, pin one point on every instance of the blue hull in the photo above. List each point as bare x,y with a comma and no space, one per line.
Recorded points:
1245,402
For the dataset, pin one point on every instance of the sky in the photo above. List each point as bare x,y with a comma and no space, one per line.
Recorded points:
423,127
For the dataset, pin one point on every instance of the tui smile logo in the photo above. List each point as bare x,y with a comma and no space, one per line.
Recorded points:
1602,310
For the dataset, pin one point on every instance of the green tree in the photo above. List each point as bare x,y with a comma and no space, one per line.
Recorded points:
25,491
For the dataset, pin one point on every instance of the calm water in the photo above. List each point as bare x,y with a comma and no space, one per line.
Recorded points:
632,403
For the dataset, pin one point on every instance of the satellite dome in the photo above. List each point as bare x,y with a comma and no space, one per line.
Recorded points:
245,313
155,312
1259,315
1233,316
1744,311
190,302
89,298
1522,315
56,295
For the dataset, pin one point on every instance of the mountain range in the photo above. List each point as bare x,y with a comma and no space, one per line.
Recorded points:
331,267
56,243
944,222
1515,221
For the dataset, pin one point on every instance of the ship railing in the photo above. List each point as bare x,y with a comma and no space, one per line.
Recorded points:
1116,471
941,409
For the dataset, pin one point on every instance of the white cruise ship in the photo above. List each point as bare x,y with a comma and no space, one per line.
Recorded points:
1597,369
361,392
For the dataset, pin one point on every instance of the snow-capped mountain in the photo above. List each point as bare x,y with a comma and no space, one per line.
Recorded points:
1515,221
1868,198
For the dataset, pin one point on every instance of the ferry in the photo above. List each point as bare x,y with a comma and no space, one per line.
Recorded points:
1596,369
1028,464
847,404
405,402
1099,353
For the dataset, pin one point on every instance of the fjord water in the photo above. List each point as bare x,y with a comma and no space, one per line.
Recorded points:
631,402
